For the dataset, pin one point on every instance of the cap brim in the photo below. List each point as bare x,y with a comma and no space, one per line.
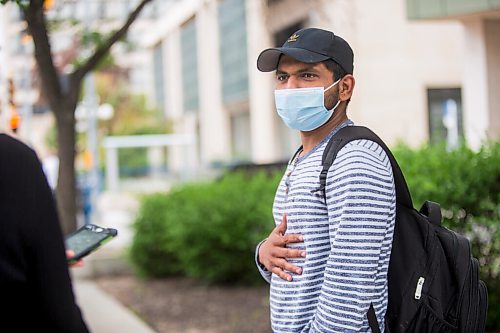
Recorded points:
269,58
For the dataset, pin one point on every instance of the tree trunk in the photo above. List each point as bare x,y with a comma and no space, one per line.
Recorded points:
66,188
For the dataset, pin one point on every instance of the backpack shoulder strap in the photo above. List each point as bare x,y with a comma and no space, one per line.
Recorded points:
297,152
351,133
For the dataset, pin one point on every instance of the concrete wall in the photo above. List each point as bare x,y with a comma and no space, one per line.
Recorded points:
482,80
476,83
492,38
213,120
263,119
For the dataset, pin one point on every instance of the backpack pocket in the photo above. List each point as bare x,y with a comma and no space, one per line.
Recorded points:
483,306
474,311
428,321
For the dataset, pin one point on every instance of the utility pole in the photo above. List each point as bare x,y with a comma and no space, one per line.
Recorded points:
90,102
27,104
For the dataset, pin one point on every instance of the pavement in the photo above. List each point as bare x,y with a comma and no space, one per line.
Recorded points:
103,313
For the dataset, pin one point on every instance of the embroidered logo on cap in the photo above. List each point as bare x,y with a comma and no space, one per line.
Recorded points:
293,38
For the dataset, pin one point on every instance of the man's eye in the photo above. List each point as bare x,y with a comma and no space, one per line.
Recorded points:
308,75
281,77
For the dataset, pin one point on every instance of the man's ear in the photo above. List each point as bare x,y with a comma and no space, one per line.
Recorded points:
346,87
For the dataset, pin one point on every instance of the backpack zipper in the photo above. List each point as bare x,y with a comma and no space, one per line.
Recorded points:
420,284
421,280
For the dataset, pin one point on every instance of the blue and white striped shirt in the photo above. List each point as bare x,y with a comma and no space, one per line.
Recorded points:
348,240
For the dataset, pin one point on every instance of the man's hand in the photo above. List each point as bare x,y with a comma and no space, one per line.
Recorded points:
69,255
273,253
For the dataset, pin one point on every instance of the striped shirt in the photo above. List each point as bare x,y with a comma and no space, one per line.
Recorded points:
348,240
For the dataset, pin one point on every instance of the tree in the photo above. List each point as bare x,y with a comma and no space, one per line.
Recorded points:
63,102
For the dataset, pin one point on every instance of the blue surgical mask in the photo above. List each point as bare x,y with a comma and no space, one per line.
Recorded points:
303,108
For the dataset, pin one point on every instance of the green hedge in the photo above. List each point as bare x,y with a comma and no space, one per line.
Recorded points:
209,230
206,230
464,182
151,249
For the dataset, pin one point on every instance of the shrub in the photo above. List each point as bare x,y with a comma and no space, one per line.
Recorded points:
464,182
151,249
211,228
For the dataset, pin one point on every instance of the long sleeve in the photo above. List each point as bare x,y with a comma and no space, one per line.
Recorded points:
266,275
36,287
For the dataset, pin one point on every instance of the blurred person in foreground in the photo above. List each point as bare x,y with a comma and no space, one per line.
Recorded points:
326,262
36,293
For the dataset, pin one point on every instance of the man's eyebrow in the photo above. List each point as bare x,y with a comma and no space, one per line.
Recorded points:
308,68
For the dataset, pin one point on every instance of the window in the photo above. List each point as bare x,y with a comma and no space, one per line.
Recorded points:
445,116
240,133
159,80
189,66
281,36
233,50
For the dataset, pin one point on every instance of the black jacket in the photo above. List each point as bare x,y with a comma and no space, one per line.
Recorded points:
35,287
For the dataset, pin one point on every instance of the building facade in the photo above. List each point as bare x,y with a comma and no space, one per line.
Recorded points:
413,76
480,20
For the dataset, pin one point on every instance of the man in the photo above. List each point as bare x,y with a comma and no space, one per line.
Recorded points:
35,283
327,261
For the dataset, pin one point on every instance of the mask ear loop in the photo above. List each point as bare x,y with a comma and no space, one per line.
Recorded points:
338,102
333,109
333,84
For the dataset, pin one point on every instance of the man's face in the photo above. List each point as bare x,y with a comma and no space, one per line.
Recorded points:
292,73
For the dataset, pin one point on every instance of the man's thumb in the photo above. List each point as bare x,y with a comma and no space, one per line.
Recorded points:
282,226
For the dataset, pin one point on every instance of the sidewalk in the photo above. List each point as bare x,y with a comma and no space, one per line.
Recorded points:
103,313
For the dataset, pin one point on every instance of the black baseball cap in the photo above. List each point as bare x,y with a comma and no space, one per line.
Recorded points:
309,45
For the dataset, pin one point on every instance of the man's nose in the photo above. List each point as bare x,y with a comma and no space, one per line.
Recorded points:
292,82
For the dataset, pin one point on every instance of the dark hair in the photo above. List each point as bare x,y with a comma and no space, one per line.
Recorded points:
336,69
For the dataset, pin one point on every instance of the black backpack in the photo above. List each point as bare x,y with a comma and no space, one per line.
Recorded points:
434,283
